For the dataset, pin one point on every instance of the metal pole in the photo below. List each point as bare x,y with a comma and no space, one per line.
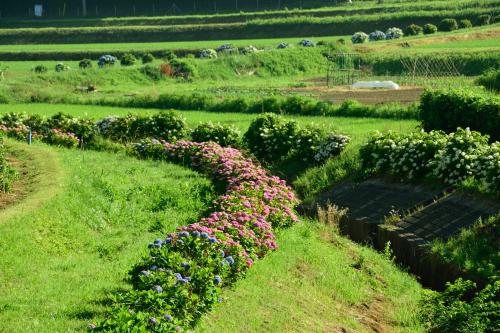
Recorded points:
29,136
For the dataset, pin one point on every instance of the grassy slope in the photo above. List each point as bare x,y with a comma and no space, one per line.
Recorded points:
358,128
60,260
319,282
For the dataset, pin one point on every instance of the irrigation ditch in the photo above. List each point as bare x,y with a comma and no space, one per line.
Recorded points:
423,214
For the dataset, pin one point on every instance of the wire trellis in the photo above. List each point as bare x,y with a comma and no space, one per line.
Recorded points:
428,70
344,68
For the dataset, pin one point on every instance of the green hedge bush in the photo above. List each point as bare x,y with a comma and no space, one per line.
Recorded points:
430,28
448,24
465,24
447,110
413,30
490,80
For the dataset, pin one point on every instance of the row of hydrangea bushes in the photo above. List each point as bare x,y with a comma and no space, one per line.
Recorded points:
182,274
436,156
447,24
270,137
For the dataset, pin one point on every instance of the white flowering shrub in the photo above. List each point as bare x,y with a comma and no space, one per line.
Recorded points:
487,168
250,49
208,54
103,126
331,146
456,160
359,38
434,155
376,36
394,33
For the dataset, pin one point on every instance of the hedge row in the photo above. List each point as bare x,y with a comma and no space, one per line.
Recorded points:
447,110
435,156
295,105
182,275
271,28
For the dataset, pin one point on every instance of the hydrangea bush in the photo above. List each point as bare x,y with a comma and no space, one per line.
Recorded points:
249,49
227,49
449,158
208,54
284,45
307,43
218,133
181,276
359,38
376,36
332,145
106,60
394,33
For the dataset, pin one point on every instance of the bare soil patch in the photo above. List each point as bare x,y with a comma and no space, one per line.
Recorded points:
404,95
21,186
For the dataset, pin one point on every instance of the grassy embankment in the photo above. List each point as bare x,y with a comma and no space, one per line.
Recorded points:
62,254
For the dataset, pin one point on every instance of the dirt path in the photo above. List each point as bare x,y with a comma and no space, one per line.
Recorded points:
40,178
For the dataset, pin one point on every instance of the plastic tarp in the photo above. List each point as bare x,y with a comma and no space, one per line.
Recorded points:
375,84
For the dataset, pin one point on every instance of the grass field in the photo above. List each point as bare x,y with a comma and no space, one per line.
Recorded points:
108,207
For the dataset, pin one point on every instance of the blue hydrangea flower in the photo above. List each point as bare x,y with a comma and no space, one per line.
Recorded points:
220,300
187,278
91,326
150,245
158,241
212,240
168,240
158,289
158,245
178,276
217,279
154,268
186,265
204,235
153,321
161,269
196,233
168,317
180,241
230,260
184,234
223,263
223,254
145,273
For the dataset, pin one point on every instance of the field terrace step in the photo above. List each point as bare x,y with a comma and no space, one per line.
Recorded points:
442,219
428,214
371,201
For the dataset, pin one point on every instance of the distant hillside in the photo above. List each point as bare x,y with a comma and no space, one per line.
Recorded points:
73,8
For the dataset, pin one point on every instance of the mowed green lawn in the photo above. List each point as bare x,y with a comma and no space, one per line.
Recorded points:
71,242
358,128
268,42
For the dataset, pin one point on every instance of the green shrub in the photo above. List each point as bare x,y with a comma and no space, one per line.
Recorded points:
490,80
60,67
128,60
85,64
4,99
430,29
166,125
271,137
183,69
465,24
147,58
40,69
448,24
483,19
306,143
218,133
448,110
462,307
413,30
59,138
153,72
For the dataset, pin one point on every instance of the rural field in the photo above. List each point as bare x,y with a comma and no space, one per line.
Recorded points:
250,166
